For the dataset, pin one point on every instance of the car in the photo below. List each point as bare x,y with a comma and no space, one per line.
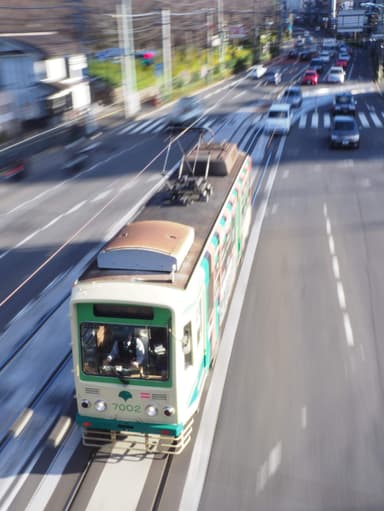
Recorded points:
325,56
310,77
344,103
279,119
344,55
12,168
185,111
257,71
293,96
273,77
317,64
293,53
342,61
344,132
343,48
305,55
336,75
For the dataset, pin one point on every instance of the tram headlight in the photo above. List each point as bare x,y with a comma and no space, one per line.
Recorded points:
151,410
168,411
85,403
101,406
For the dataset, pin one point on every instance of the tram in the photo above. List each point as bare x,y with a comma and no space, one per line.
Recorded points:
147,314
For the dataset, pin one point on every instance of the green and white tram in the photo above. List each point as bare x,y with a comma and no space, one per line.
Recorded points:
148,313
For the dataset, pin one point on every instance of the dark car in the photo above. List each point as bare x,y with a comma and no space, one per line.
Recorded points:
344,132
344,103
305,55
293,53
292,95
12,169
273,77
317,64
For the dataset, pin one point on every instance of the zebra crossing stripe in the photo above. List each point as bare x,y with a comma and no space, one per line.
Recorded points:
327,120
303,121
315,120
152,127
363,119
376,120
141,126
128,128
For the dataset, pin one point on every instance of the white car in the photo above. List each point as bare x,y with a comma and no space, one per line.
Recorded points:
344,56
186,111
279,119
257,71
336,75
325,56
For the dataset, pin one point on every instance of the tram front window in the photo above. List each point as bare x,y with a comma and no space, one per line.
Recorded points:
127,351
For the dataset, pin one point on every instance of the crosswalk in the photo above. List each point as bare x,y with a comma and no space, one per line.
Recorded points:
153,125
317,119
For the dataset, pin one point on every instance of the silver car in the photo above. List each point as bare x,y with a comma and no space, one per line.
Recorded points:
186,111
344,132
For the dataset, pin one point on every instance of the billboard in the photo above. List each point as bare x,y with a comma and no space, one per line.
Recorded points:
351,20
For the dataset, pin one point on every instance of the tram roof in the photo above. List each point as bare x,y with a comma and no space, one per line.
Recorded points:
166,235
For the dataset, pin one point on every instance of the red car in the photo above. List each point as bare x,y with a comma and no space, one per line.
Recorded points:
310,77
341,61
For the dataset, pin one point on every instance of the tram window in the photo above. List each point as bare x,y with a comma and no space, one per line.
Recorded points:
187,345
128,351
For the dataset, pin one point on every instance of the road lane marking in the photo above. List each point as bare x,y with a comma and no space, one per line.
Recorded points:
315,120
339,285
327,120
376,120
303,121
101,195
341,295
304,417
335,267
331,244
363,119
328,227
348,330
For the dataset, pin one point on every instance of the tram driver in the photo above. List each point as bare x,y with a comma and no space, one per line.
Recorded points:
129,352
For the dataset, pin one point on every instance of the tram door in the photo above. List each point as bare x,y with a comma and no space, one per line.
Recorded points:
194,338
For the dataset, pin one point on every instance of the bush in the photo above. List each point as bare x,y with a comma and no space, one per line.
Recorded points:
240,65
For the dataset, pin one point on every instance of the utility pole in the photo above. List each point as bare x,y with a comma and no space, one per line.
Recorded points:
167,56
279,24
256,36
209,42
220,23
130,94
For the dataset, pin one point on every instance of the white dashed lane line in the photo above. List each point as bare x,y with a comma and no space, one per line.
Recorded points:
339,284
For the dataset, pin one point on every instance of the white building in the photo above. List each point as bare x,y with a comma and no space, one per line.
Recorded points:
37,85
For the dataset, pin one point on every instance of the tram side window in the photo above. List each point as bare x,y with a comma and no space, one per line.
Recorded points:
187,345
